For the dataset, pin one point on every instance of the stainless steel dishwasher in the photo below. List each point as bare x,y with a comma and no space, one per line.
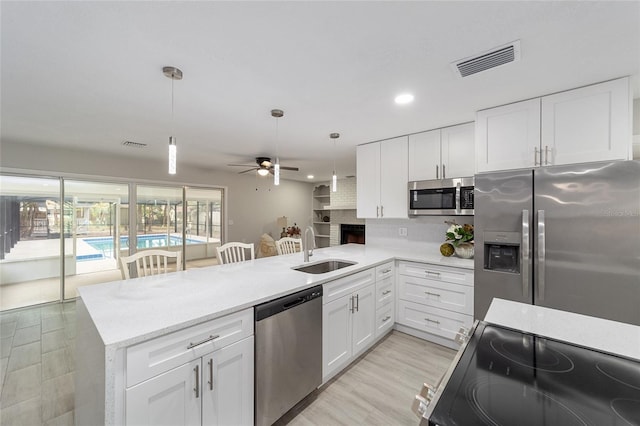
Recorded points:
288,352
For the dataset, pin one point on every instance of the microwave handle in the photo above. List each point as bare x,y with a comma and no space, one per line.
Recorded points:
444,172
458,202
437,177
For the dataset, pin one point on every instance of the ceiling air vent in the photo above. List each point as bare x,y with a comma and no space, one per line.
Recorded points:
493,58
131,144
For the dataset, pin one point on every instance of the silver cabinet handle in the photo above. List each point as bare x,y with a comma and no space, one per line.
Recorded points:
524,253
197,388
432,294
357,303
457,196
433,321
351,305
535,157
377,211
386,271
437,274
384,293
541,254
210,373
444,172
208,339
546,155
437,177
387,318
381,211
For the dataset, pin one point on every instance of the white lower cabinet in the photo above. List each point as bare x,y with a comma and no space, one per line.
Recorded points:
350,319
434,301
215,386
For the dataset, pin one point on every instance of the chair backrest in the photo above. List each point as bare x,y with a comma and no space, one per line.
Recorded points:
149,262
288,245
234,252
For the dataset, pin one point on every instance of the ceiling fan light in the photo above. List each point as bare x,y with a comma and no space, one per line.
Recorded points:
263,172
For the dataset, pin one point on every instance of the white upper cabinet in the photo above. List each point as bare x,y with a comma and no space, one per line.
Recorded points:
382,179
442,153
587,124
424,155
591,123
508,137
458,151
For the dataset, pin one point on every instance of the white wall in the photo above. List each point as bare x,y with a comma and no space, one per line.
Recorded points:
252,212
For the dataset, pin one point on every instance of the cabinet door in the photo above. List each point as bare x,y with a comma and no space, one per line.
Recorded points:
368,180
587,124
458,151
167,399
424,156
227,385
364,320
508,137
394,178
336,335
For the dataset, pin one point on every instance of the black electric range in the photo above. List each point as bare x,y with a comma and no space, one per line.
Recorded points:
506,377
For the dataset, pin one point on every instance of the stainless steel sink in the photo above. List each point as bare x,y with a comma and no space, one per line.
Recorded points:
324,266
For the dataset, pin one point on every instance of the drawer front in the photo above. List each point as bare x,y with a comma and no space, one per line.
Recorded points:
344,286
384,319
153,357
437,273
384,292
385,270
443,295
432,320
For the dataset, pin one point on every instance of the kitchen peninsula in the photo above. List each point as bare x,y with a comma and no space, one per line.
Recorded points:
115,317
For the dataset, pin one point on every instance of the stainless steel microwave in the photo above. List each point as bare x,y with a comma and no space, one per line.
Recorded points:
441,197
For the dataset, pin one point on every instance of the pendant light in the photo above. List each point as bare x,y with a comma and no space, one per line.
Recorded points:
174,74
334,178
276,113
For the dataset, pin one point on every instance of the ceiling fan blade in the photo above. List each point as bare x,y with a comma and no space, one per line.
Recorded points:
295,169
241,165
247,171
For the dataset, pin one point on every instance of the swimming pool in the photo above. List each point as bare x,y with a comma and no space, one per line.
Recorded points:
104,245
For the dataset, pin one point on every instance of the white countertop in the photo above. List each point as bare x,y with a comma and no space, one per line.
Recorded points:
128,312
601,334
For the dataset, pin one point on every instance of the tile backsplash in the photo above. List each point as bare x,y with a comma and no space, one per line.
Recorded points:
420,230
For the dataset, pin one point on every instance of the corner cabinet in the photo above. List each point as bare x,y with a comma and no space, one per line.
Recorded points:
586,124
321,200
442,153
382,177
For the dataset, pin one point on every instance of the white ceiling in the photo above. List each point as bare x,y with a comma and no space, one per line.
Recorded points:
89,74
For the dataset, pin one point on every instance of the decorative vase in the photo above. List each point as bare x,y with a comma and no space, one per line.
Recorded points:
464,250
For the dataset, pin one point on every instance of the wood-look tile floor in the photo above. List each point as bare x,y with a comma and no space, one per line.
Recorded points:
37,364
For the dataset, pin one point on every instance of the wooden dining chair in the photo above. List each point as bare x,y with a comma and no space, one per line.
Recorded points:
235,252
287,245
149,262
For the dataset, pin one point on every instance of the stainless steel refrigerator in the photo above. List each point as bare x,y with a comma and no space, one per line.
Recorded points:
564,237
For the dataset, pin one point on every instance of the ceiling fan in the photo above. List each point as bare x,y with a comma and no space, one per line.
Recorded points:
264,166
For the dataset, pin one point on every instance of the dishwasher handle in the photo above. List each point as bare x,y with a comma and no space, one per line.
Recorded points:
298,301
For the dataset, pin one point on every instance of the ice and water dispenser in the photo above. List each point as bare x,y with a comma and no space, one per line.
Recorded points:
502,251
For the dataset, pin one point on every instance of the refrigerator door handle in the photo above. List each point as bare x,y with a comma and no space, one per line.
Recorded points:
458,208
524,253
541,255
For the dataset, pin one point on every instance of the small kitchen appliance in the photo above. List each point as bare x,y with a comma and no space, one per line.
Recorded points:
451,197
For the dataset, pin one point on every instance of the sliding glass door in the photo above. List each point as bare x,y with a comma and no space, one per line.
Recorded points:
31,225
203,227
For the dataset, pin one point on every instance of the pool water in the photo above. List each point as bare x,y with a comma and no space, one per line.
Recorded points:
104,245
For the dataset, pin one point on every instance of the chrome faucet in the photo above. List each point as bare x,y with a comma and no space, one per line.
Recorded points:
305,243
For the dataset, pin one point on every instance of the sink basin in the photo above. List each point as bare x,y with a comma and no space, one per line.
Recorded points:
324,266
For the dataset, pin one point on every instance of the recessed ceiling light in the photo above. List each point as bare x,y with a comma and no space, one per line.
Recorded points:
309,176
404,98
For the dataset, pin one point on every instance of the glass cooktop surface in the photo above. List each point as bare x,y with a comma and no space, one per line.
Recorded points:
507,377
